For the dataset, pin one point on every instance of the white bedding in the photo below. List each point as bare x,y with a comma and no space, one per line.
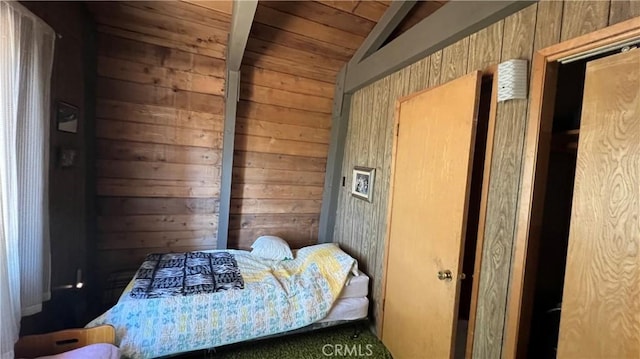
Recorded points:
352,303
348,309
356,286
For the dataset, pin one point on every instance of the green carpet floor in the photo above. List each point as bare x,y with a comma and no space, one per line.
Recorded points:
337,342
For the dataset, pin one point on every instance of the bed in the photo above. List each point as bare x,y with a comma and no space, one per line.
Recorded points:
319,287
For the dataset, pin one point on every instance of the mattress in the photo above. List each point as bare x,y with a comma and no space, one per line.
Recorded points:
348,309
355,286
352,303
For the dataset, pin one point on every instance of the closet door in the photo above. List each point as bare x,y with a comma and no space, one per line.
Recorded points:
601,300
433,164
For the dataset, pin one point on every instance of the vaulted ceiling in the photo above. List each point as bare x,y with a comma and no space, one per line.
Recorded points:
310,39
160,108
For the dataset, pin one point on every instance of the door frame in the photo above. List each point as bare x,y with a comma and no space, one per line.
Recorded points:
534,175
487,73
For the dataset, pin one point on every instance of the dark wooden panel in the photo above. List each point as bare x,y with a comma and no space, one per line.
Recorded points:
223,6
159,25
160,41
276,146
324,14
282,131
300,42
131,131
153,95
238,221
158,115
271,96
279,161
288,66
159,76
273,206
286,82
271,176
275,191
371,10
160,104
134,206
185,11
157,223
279,114
148,33
299,57
132,243
343,5
118,187
156,170
301,26
151,152
149,54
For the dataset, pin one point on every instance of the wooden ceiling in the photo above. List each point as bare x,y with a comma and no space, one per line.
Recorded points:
311,39
171,24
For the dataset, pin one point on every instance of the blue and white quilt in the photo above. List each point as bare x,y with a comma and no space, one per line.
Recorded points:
278,296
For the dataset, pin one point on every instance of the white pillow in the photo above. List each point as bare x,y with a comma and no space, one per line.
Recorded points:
271,247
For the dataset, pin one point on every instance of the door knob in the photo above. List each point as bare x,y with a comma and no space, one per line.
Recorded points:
445,275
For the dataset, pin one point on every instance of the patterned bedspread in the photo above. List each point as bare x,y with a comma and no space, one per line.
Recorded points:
278,297
168,274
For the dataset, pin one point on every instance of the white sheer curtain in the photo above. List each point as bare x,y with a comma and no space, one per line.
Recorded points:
26,60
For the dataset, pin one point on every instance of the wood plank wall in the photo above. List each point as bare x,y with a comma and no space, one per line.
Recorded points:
361,226
159,125
284,117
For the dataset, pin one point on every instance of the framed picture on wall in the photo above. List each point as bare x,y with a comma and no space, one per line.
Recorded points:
67,117
362,185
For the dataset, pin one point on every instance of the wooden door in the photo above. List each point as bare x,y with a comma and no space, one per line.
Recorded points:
600,315
433,164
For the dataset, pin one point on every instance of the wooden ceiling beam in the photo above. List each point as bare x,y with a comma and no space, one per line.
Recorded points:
242,17
388,22
450,23
241,20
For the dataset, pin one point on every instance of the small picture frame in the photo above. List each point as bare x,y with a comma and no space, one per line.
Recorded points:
67,117
362,183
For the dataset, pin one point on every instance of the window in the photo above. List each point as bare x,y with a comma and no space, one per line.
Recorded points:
26,58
